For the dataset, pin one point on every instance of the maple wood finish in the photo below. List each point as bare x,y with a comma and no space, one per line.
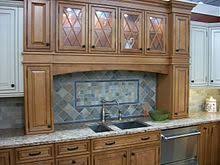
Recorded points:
6,157
209,145
133,149
84,35
38,98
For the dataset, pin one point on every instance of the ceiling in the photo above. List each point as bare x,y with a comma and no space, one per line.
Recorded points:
210,2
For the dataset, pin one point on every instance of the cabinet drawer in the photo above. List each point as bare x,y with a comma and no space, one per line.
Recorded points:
47,162
35,153
72,148
112,142
77,160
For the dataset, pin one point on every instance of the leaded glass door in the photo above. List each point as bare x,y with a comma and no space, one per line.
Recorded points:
72,27
131,31
103,29
156,31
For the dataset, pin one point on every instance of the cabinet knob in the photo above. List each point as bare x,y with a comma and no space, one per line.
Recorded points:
140,49
12,85
125,156
73,161
47,44
176,113
177,50
83,46
148,48
93,46
132,154
212,81
49,126
192,81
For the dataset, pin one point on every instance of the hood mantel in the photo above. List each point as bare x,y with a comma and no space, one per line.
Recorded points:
82,35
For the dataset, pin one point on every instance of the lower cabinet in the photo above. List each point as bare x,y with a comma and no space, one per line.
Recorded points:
146,153
209,145
6,157
110,158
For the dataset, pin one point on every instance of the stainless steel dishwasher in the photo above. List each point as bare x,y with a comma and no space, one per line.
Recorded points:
179,146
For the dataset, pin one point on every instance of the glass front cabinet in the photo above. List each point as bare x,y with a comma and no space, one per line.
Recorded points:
104,29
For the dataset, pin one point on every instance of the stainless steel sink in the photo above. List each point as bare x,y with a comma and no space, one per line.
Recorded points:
131,124
97,128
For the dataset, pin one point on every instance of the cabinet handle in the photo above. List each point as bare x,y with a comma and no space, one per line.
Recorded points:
12,85
35,154
73,161
205,128
47,44
177,50
212,81
146,138
49,126
72,149
93,46
83,46
176,113
148,48
125,156
133,154
192,81
109,143
140,49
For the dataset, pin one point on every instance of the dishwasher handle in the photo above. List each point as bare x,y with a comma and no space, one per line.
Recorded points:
180,136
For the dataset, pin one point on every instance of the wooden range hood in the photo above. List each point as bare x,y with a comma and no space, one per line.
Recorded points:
46,55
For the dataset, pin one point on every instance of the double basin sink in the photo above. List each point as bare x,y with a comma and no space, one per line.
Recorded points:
98,128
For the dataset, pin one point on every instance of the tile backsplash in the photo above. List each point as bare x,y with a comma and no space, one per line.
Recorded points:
77,96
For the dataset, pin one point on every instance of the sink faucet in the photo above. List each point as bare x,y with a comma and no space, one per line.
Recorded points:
104,114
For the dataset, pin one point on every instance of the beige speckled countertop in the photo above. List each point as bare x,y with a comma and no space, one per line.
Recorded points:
15,137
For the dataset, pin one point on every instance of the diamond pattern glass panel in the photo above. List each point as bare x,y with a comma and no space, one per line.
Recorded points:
131,30
156,33
72,27
103,29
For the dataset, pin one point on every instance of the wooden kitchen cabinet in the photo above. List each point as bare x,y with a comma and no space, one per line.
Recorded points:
147,153
76,160
103,30
6,157
182,33
38,111
131,25
209,144
109,158
38,25
156,33
72,27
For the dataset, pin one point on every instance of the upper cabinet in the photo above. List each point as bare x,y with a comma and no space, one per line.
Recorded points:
11,35
72,27
156,33
103,29
215,56
204,54
131,23
38,17
181,30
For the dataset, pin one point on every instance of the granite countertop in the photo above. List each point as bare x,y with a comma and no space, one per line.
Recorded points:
11,138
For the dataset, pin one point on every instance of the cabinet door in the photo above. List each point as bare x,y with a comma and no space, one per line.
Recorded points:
181,34
76,160
181,91
156,33
38,112
72,27
110,158
131,30
199,56
149,155
204,145
215,57
214,136
8,49
6,157
103,29
38,25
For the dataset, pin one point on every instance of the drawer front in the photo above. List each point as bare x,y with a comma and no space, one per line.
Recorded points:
35,153
48,162
72,148
76,160
111,142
